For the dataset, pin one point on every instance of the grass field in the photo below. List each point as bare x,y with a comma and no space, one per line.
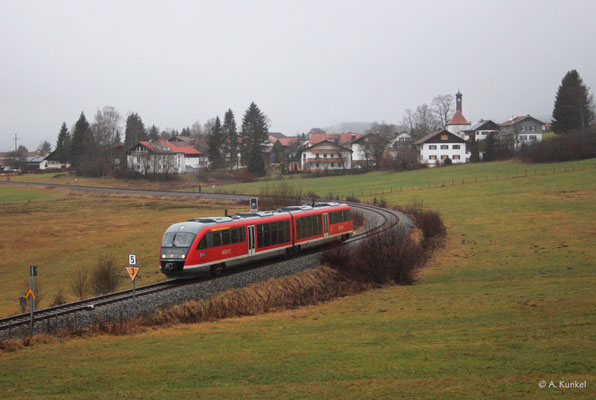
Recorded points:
61,230
509,302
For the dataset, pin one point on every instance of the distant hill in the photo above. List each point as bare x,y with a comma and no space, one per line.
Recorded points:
352,127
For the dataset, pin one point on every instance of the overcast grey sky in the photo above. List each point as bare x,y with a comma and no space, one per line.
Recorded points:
305,63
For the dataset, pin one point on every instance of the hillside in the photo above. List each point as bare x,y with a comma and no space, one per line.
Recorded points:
507,303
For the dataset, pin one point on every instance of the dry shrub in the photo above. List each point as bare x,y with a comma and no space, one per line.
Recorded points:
105,276
389,256
79,283
430,222
59,299
352,199
358,220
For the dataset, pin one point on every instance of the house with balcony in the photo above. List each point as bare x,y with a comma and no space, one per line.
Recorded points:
325,156
165,157
520,130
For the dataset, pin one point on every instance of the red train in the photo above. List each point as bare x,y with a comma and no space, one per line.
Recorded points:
211,244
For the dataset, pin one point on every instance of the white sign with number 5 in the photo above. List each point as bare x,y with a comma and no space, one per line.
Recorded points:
132,259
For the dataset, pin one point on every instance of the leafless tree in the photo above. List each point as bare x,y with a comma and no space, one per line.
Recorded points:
424,122
377,139
408,121
442,107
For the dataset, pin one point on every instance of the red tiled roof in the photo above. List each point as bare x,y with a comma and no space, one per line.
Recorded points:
458,119
342,138
173,148
514,121
285,141
179,149
277,135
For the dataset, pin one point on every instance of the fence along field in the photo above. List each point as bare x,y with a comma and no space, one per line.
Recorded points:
507,303
66,231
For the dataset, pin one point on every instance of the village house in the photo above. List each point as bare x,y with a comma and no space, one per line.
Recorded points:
524,129
165,157
325,156
480,130
439,145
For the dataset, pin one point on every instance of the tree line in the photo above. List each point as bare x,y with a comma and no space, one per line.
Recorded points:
92,144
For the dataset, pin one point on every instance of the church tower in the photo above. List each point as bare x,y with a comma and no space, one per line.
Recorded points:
458,123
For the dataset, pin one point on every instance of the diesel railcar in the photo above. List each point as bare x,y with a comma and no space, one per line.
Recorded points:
211,244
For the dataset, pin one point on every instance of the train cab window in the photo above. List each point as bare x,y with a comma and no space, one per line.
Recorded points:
203,243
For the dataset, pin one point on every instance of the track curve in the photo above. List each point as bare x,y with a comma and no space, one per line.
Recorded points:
119,305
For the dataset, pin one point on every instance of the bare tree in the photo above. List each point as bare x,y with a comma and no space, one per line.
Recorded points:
408,121
424,121
442,107
377,139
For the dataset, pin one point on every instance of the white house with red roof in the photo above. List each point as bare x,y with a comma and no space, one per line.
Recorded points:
458,123
441,144
165,157
325,155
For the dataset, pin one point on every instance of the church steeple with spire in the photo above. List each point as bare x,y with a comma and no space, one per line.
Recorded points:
458,123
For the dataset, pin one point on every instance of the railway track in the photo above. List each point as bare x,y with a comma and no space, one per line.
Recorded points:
385,219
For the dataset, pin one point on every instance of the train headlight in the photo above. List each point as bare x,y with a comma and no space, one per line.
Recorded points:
182,255
163,256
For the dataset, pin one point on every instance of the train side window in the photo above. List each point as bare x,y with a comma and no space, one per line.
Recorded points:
235,235
260,236
287,229
319,224
242,234
348,215
216,239
273,228
225,237
203,243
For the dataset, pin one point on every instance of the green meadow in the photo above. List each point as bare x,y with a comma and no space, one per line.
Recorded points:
508,302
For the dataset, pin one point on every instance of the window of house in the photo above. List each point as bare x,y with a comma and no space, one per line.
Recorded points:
532,137
456,157
432,157
533,129
443,137
443,156
432,147
317,165
523,128
304,156
444,146
317,156
522,137
332,165
455,147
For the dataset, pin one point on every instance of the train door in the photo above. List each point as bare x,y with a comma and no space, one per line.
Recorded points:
251,240
325,225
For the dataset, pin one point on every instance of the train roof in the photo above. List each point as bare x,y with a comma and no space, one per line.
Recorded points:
195,225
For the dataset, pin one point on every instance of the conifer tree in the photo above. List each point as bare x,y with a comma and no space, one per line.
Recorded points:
62,152
574,108
230,135
135,130
474,151
254,138
81,146
490,148
153,133
215,143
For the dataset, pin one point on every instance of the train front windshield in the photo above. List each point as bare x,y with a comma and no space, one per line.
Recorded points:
176,244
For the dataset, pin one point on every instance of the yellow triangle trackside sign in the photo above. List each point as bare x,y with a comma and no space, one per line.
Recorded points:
132,271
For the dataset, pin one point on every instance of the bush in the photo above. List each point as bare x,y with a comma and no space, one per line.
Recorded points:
357,220
404,158
430,222
59,299
389,256
279,195
105,275
79,283
564,147
94,168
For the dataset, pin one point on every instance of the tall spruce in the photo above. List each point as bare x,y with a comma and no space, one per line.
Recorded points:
254,138
215,143
82,138
490,148
62,152
135,130
230,134
153,133
574,108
